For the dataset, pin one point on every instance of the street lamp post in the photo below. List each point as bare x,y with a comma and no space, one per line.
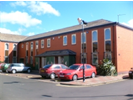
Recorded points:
82,22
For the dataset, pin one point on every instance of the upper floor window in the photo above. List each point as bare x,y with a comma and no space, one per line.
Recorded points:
31,45
73,38
36,44
107,40
6,46
94,41
14,46
64,40
48,42
22,45
42,43
83,37
26,45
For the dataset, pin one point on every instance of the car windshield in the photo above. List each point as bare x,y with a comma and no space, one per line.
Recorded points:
47,66
74,67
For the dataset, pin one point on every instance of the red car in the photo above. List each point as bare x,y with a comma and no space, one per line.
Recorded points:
75,72
52,70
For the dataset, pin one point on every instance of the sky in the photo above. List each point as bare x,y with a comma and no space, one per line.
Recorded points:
36,17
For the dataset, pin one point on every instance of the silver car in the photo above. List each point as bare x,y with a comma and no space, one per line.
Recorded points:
18,67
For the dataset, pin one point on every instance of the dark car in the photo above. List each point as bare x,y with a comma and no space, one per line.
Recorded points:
131,73
52,70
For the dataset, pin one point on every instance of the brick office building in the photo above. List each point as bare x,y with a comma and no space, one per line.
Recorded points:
103,39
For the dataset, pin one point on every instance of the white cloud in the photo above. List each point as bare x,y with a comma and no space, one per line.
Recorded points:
19,3
21,18
31,33
4,30
38,7
129,23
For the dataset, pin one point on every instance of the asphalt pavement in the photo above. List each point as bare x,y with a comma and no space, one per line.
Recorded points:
99,80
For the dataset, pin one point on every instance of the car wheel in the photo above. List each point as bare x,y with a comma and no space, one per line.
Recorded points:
6,71
93,75
52,76
75,77
13,71
29,70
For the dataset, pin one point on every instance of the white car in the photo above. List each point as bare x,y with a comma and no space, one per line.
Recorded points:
18,67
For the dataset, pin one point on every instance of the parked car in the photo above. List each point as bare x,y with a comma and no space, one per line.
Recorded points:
18,67
75,72
52,70
4,67
131,73
1,64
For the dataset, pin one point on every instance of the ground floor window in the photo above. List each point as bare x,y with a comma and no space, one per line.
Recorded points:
108,55
26,59
94,58
14,60
6,60
31,60
83,58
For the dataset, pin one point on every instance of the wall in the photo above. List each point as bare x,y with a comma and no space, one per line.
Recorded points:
124,49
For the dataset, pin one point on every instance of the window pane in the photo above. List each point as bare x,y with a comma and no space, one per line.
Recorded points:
108,46
14,53
6,52
65,40
73,39
107,34
83,38
94,36
94,59
94,46
108,55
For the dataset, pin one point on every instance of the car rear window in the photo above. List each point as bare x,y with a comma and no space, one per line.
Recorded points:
74,67
46,66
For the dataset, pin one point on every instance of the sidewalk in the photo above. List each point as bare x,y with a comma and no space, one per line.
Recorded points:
99,80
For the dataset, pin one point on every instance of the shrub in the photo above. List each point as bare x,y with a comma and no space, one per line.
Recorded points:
106,68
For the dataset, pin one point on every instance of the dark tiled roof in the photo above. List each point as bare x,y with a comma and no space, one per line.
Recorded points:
11,37
68,29
57,53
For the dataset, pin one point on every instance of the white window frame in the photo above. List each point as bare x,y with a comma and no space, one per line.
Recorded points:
15,47
106,52
64,40
37,44
27,45
48,43
42,42
31,45
96,53
6,46
72,38
85,37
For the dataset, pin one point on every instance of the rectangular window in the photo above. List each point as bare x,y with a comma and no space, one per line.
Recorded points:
26,60
31,53
94,47
95,58
26,45
6,60
22,45
48,42
31,60
36,44
14,53
107,39
14,60
64,40
83,37
14,46
6,52
31,45
26,52
42,43
73,38
6,46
